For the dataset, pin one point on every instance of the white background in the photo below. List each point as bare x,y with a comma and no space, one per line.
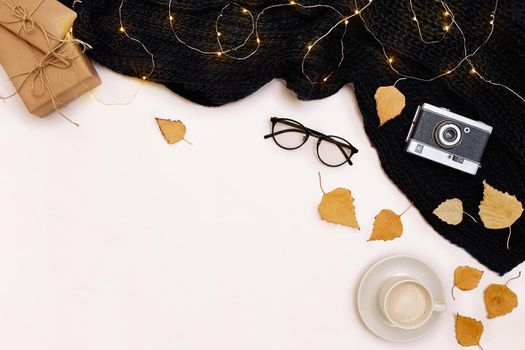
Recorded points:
112,239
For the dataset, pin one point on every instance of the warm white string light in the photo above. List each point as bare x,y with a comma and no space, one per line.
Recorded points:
258,41
230,52
466,58
122,29
447,12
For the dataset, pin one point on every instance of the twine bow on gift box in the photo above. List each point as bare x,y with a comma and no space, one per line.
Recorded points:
40,82
20,14
55,50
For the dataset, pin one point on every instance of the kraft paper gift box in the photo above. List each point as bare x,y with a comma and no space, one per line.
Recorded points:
46,82
42,23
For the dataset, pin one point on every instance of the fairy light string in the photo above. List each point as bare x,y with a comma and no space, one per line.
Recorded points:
255,31
123,30
466,58
254,36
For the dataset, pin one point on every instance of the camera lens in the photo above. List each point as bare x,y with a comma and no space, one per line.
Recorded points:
450,135
447,134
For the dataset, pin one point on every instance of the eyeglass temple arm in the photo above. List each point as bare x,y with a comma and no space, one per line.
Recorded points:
283,131
340,144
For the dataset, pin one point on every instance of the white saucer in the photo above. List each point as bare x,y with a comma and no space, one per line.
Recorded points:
367,298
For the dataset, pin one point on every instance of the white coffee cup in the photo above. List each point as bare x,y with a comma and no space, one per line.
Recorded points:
407,303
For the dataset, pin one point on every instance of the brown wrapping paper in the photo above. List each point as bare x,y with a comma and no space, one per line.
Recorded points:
42,23
45,89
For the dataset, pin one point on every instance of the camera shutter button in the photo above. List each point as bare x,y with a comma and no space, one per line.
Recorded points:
466,130
458,159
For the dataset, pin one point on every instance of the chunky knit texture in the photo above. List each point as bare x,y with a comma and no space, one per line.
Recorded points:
285,33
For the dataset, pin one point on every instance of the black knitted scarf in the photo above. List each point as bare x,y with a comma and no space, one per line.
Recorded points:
286,32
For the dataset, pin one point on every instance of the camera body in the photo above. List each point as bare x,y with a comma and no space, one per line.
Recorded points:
448,138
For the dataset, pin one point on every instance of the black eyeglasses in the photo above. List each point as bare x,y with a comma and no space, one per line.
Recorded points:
332,150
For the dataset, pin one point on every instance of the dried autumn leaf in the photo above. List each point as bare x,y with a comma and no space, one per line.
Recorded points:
466,278
500,299
499,209
387,226
172,130
337,207
389,103
468,331
450,211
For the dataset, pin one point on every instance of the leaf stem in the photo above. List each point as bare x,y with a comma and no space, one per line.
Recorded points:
470,216
452,292
479,345
508,237
320,183
410,206
513,278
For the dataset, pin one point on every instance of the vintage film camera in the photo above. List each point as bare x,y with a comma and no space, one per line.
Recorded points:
448,138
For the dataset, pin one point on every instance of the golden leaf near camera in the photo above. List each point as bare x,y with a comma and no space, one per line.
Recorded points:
172,130
498,209
466,278
387,226
337,207
390,102
499,300
450,211
468,331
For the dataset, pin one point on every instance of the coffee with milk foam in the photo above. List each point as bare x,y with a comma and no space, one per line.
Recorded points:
408,304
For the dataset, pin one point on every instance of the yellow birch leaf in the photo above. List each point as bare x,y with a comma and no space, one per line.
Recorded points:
498,209
468,331
387,226
499,300
466,278
389,103
337,207
450,211
172,130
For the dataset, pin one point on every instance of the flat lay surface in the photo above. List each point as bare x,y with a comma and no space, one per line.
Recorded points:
112,239
470,66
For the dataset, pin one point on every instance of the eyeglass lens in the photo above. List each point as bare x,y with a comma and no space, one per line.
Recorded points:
289,134
334,151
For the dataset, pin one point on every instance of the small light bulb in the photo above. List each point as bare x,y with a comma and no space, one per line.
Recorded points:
346,22
390,60
219,34
292,2
447,28
244,10
144,77
310,47
491,22
356,11
219,54
414,19
122,29
171,18
446,14
258,41
325,79
448,72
